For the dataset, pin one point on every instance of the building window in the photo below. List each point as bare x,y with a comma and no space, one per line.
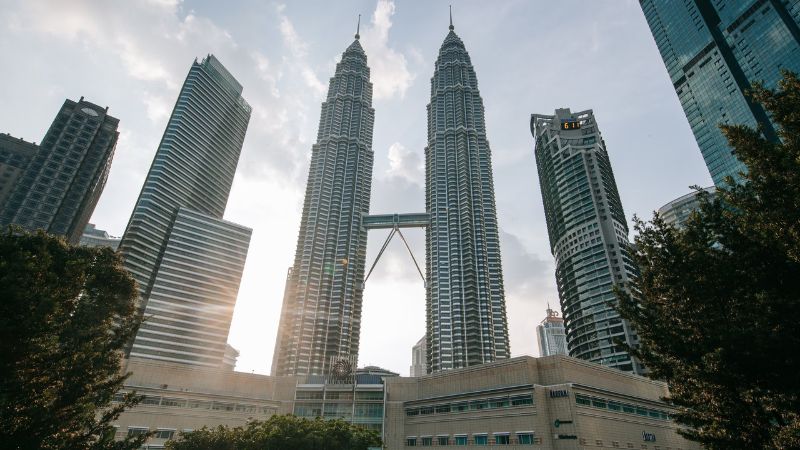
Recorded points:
137,431
482,440
502,439
411,442
427,441
460,440
164,434
525,438
443,440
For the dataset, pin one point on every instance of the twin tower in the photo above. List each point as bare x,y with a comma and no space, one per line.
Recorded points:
465,303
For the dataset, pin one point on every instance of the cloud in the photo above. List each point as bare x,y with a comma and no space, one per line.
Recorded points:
158,107
529,286
299,51
404,163
389,69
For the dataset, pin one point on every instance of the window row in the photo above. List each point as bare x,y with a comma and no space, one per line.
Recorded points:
151,400
472,405
613,405
480,439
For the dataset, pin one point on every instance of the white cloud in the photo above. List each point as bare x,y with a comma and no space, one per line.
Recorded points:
299,52
389,69
405,164
158,107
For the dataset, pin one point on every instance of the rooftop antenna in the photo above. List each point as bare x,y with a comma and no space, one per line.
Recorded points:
451,18
358,27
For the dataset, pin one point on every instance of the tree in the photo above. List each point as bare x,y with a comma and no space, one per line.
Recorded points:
280,432
66,313
717,302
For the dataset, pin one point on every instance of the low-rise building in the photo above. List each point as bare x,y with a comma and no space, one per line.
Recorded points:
554,403
551,403
182,397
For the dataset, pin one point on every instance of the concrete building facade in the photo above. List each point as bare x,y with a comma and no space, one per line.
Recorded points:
588,234
552,403
419,359
60,186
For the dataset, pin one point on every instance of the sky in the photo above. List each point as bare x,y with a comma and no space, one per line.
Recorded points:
530,56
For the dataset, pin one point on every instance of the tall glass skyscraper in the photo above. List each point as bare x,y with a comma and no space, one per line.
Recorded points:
61,184
186,259
551,335
713,51
466,310
588,234
321,316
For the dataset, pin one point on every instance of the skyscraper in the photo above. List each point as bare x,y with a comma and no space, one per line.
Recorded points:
15,155
321,316
713,51
466,311
60,186
551,335
94,237
588,234
419,358
187,260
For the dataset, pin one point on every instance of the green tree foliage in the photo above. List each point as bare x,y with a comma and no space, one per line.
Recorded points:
280,432
717,303
65,314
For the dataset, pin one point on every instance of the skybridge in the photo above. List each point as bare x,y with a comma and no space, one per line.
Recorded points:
395,222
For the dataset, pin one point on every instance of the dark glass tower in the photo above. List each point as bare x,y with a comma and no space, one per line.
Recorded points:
466,310
713,51
588,235
321,315
60,186
186,259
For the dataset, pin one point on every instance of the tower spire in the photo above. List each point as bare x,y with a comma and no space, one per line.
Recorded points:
451,18
358,27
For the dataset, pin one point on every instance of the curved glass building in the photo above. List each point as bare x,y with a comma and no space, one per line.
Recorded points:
588,234
466,309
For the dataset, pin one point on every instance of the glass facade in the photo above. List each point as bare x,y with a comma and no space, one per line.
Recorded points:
551,335
321,315
186,259
713,51
678,211
360,403
62,182
588,235
190,307
466,310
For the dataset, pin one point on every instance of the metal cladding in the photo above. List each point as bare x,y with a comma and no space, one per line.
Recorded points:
466,311
588,235
321,314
